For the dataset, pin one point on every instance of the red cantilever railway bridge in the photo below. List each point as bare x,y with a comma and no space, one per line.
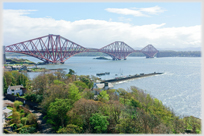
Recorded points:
57,49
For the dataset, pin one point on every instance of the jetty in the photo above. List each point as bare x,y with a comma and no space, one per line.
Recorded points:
101,74
117,79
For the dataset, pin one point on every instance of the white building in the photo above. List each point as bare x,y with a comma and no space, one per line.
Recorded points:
15,89
103,86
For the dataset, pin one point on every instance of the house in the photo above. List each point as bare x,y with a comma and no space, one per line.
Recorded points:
6,112
7,68
102,86
16,67
16,89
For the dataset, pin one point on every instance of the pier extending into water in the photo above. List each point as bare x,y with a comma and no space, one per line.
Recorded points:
117,79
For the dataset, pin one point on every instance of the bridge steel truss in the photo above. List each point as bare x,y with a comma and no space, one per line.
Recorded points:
150,51
50,48
57,49
117,50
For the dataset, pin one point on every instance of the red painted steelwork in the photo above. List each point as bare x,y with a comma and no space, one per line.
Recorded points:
50,48
57,49
117,50
150,51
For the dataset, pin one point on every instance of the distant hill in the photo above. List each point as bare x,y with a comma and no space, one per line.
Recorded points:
180,49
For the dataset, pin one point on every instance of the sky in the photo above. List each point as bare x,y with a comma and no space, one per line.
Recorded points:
95,25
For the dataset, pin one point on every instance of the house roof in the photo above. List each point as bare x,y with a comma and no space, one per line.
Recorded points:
98,81
17,86
110,85
7,110
100,85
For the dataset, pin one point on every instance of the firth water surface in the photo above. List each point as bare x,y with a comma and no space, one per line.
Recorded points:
179,87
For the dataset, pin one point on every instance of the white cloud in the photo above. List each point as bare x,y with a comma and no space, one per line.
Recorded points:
152,10
125,11
138,12
18,27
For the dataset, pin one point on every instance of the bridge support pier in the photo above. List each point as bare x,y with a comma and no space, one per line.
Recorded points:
149,57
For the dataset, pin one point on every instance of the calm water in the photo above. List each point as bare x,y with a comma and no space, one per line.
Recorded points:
179,88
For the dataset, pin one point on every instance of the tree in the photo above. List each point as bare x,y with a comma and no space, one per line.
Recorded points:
24,120
103,96
9,78
20,79
16,117
86,80
5,85
115,110
17,104
135,103
88,94
54,91
32,119
81,113
70,129
71,72
80,85
99,122
124,95
58,82
58,109
73,93
40,83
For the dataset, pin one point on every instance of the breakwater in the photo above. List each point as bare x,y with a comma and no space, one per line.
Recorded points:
117,79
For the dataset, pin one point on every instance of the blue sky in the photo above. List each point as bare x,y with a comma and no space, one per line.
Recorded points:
177,23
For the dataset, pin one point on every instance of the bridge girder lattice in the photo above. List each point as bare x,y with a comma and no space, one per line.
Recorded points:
50,48
150,51
117,50
57,49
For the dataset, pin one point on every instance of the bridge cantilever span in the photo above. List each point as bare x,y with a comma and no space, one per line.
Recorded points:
50,48
117,50
57,49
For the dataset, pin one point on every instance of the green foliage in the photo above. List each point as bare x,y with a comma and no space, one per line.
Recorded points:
81,85
103,96
17,104
9,107
70,129
71,72
17,95
40,83
6,131
68,102
73,93
16,78
99,122
10,117
135,103
5,85
39,98
34,97
24,120
124,96
86,80
57,112
32,119
27,130
16,117
57,82
20,125
9,78
88,94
